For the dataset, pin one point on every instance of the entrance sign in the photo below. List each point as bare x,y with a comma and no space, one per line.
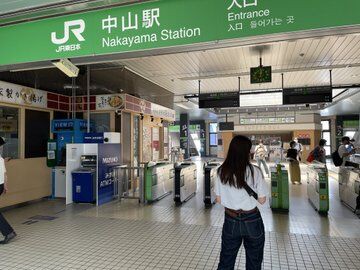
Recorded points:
164,23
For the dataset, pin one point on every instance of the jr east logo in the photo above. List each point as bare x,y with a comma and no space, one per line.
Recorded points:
76,28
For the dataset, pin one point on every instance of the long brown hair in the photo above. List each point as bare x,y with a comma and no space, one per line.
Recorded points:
236,163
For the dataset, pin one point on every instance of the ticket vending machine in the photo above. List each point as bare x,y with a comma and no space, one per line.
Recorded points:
279,188
318,187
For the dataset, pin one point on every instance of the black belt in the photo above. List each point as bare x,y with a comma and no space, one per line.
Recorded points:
236,213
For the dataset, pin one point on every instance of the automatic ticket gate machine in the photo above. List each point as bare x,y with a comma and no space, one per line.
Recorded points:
159,180
185,182
318,187
349,188
279,188
210,173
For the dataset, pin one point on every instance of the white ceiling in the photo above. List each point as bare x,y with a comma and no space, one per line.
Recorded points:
218,69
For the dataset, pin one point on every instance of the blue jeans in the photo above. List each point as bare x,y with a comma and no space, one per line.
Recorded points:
247,228
263,162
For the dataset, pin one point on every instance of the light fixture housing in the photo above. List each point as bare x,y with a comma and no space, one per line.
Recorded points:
67,67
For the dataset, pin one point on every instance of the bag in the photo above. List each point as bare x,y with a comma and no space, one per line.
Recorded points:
311,157
250,191
336,159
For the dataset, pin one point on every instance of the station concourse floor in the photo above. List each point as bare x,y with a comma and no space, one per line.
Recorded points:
126,235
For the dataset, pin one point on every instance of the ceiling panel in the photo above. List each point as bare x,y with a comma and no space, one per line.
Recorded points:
304,62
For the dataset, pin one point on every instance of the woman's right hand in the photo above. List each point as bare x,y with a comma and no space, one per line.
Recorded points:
262,200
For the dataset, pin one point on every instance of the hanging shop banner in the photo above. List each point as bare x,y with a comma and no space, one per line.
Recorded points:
162,112
164,23
108,159
17,94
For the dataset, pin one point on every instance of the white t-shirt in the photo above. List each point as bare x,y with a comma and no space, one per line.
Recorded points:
342,150
237,199
2,170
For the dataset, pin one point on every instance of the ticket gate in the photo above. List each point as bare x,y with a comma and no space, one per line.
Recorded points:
318,187
185,182
349,188
159,180
279,188
210,173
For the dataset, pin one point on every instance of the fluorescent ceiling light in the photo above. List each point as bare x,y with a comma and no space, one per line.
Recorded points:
67,67
181,105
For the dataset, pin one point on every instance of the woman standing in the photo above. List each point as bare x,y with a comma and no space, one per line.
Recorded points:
6,230
243,222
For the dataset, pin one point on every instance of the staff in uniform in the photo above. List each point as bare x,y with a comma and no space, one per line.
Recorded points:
243,222
5,227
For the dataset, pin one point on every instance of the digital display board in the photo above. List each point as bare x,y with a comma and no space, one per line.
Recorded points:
260,74
307,95
226,126
219,100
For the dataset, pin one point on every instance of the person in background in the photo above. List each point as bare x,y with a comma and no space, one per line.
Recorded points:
346,149
298,147
319,152
260,154
294,167
243,222
6,230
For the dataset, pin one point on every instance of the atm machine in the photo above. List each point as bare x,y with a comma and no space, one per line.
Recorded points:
279,188
185,182
318,187
210,173
159,180
349,188
84,180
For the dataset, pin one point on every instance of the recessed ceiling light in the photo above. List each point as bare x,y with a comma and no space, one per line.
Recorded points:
302,54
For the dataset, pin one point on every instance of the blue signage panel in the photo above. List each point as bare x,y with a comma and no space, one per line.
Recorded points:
93,137
108,158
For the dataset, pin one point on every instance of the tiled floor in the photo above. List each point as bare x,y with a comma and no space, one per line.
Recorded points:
162,236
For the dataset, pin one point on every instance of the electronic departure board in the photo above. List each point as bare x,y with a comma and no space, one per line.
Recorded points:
307,95
226,126
260,74
219,100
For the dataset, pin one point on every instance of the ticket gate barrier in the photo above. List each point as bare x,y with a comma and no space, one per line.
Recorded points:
185,182
279,188
159,180
210,173
318,187
349,188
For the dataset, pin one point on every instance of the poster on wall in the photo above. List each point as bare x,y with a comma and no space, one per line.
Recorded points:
155,143
147,144
108,158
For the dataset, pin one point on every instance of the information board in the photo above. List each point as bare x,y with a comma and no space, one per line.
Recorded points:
307,95
219,100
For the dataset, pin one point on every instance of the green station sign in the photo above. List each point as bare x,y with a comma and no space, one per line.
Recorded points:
167,23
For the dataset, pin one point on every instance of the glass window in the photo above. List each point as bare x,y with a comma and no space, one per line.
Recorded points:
101,121
328,150
9,130
213,127
325,125
326,136
213,139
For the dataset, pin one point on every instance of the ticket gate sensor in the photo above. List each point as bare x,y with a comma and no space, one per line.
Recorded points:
185,182
318,187
279,188
159,180
210,173
349,188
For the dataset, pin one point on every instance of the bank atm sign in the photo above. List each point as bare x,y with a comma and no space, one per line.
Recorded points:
164,23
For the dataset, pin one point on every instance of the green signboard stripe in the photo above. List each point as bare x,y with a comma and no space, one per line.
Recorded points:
165,23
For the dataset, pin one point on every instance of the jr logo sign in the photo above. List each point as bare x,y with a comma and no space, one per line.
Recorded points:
77,27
